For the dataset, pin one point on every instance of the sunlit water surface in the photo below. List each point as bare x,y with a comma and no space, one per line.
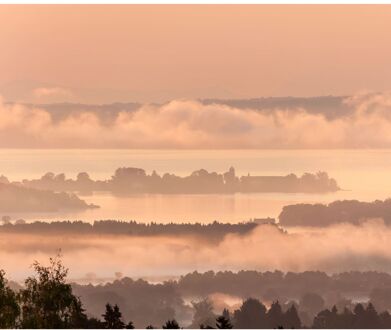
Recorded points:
363,175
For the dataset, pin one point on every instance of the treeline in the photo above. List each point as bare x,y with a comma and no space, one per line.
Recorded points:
311,292
282,286
128,180
16,198
214,230
254,315
346,211
328,106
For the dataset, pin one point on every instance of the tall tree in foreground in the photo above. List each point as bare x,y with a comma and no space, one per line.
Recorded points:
251,315
47,300
291,318
275,316
113,318
9,308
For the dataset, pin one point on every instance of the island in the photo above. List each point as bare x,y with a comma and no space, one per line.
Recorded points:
130,180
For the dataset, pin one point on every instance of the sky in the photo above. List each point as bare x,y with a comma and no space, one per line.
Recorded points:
155,53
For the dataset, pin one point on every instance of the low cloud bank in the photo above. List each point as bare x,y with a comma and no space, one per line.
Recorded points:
333,249
192,124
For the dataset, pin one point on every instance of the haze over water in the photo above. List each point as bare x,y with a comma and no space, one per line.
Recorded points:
362,175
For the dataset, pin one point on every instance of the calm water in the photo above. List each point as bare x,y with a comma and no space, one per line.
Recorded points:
364,174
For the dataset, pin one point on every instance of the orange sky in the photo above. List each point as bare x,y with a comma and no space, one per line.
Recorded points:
106,53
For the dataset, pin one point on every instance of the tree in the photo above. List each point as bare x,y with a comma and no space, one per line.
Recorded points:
223,321
130,325
385,320
94,323
346,319
359,315
47,300
321,321
251,315
291,318
113,317
371,317
9,308
275,316
361,318
312,303
203,315
171,324
78,317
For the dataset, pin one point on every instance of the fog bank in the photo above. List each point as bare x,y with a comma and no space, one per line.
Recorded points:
333,249
193,124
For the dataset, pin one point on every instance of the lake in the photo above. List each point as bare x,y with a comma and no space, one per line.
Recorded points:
362,174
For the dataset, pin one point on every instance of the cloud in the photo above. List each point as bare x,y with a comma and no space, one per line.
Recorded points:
191,124
335,249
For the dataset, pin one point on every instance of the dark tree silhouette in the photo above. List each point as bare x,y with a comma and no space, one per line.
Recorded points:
9,308
113,317
275,316
129,325
94,323
371,317
251,315
171,324
291,318
224,320
361,318
47,300
385,320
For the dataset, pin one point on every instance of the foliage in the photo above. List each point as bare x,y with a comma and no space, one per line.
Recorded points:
171,324
113,317
223,321
9,308
47,300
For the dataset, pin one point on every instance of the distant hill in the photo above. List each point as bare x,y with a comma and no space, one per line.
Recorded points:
329,106
14,198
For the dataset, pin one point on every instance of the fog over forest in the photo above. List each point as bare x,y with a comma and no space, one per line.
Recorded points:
132,249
